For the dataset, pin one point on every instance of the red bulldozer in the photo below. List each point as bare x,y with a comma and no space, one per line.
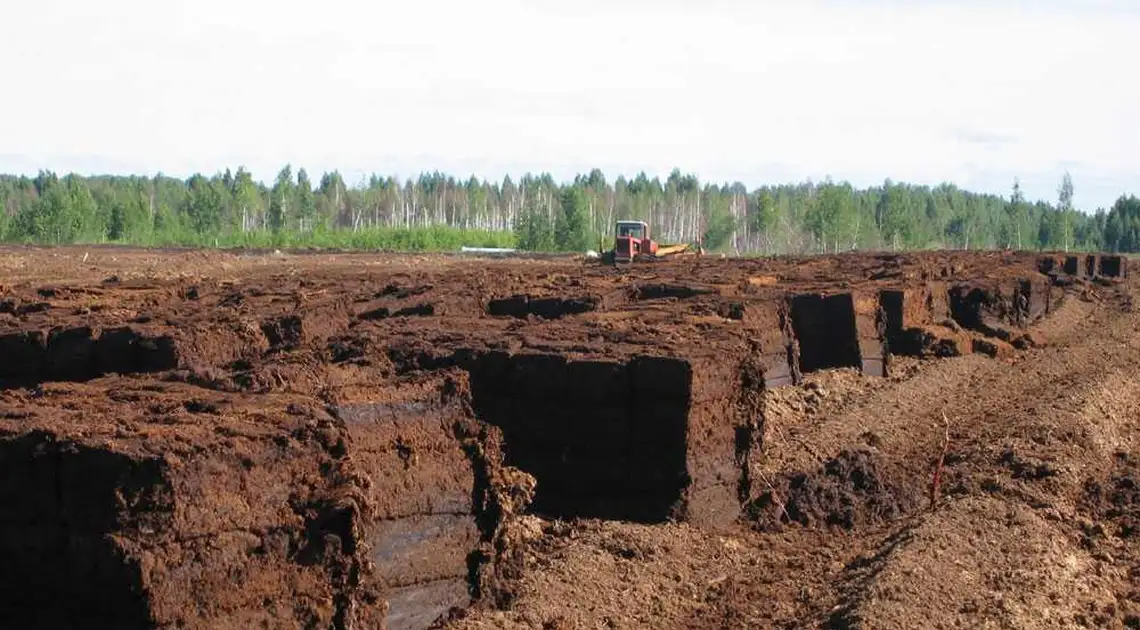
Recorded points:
633,242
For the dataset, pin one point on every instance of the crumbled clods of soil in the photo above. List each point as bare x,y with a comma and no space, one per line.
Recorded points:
1117,498
1029,339
497,566
1026,467
848,491
993,348
786,408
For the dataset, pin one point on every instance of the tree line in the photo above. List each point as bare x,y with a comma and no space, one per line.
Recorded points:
438,211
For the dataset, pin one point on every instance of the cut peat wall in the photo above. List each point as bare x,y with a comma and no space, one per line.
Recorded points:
136,540
76,354
907,315
574,426
642,439
825,329
1092,265
1073,265
122,508
770,332
1113,266
839,330
904,311
992,307
967,305
871,334
1089,266
57,504
1048,264
1036,297
426,491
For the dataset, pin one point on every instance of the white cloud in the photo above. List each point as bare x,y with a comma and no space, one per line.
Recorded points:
964,91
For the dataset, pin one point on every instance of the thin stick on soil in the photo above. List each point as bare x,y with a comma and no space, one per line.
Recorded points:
775,495
936,483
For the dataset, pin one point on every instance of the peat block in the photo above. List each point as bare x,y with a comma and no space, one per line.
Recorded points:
123,506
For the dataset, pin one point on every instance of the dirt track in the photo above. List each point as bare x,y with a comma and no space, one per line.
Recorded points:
555,444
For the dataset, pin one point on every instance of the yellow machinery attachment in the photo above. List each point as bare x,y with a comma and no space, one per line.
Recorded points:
668,250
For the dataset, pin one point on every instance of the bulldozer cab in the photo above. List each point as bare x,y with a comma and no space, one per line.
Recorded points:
633,229
632,241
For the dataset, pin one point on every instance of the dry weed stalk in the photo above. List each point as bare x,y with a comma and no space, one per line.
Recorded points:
775,495
936,482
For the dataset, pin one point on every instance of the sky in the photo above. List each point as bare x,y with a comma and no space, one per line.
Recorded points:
967,91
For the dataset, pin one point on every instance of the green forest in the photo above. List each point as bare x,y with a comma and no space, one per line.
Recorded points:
435,211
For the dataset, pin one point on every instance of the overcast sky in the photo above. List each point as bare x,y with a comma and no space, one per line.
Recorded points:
966,91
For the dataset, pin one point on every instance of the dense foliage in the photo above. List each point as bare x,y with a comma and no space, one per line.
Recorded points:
434,211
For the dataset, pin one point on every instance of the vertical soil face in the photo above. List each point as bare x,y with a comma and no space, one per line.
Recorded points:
146,511
419,450
81,353
908,313
825,328
967,305
770,335
724,422
646,439
58,502
602,438
659,415
1092,264
378,514
993,309
1113,266
893,302
1047,264
871,334
1073,265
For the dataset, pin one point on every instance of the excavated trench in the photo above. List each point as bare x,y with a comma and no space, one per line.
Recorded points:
1113,266
650,438
74,354
825,328
522,306
1073,266
603,439
1093,265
